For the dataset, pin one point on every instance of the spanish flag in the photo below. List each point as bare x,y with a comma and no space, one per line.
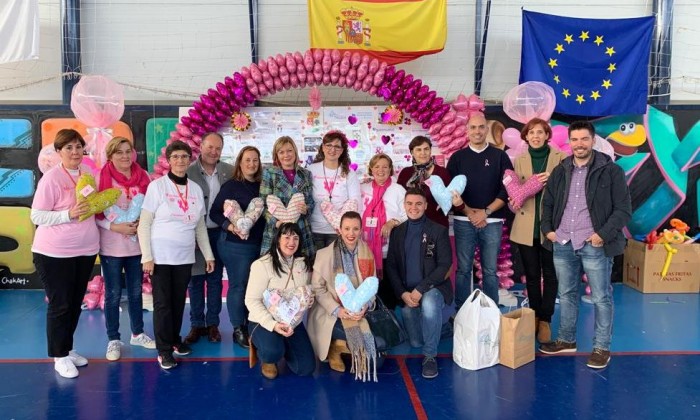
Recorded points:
394,31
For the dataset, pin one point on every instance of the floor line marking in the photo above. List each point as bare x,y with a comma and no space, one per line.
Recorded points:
411,389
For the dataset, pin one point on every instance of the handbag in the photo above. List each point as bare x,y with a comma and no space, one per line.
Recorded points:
386,329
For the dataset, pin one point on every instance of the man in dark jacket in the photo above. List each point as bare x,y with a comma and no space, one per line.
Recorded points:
418,261
585,205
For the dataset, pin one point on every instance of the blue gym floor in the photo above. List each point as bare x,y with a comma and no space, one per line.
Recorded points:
654,374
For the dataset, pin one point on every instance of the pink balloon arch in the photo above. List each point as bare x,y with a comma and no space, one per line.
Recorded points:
445,122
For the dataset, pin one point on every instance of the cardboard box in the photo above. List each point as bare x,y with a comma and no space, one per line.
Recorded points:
517,338
642,268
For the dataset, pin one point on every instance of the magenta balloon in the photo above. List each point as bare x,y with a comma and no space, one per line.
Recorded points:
406,82
186,121
434,119
290,63
417,83
422,92
211,126
208,102
212,93
223,90
389,72
239,91
195,115
385,92
410,94
425,125
411,106
424,104
272,67
397,96
229,82
206,115
436,103
225,107
199,106
220,116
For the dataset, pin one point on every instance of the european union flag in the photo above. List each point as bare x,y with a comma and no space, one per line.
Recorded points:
597,67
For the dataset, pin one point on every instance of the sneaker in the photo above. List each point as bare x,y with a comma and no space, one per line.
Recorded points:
166,360
430,368
599,359
142,340
114,350
182,349
65,367
78,360
558,347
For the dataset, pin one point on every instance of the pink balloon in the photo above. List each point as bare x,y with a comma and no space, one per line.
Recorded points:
373,90
351,77
262,90
255,73
336,56
91,301
252,86
449,117
373,66
284,76
447,129
97,101
435,129
326,62
345,64
308,61
335,73
279,86
356,59
357,86
460,130
511,137
262,65
379,77
294,80
341,81
267,81
290,63
245,72
362,71
318,72
318,55
326,79
48,158
301,74
529,100
272,67
367,84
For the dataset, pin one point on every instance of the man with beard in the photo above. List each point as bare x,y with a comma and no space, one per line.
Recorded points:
585,205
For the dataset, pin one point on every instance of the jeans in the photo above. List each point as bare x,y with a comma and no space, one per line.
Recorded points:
296,349
541,279
169,294
65,281
467,237
570,266
112,272
237,257
214,286
424,323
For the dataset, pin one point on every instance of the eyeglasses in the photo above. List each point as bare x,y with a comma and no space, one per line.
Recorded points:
179,157
333,147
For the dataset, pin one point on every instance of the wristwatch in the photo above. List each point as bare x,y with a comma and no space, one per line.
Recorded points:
488,211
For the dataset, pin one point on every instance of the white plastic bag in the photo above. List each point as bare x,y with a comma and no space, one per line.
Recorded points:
477,333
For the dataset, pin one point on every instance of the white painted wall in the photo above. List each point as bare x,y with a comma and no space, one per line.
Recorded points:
170,51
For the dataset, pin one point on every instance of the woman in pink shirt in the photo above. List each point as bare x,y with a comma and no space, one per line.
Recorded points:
119,246
64,249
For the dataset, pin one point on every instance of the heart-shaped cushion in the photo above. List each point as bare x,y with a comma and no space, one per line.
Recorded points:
354,299
116,214
244,221
443,194
85,190
519,193
287,214
289,305
332,215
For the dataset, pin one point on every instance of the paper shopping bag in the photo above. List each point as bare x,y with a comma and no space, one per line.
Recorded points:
517,338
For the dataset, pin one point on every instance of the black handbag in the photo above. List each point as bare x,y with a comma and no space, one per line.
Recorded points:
386,329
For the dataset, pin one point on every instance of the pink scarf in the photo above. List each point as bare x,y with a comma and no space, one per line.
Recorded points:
139,178
375,208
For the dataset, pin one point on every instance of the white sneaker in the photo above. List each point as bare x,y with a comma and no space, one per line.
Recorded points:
65,367
114,350
78,360
142,340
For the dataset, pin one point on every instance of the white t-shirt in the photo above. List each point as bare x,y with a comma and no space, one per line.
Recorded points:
174,222
335,187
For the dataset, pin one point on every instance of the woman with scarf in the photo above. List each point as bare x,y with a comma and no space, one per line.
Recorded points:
332,328
383,211
283,267
336,188
172,218
119,247
423,167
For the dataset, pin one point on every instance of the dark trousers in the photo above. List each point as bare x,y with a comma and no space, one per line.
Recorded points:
542,284
322,240
65,281
386,291
169,294
296,349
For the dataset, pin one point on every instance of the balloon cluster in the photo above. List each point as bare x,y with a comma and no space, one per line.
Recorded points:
504,263
354,70
95,296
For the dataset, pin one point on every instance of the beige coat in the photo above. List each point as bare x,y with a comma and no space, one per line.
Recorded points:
262,277
321,321
524,221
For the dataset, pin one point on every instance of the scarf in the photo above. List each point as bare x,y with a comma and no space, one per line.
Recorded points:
420,173
139,179
373,235
359,337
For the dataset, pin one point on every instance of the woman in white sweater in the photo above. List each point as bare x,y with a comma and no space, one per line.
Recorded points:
283,267
382,200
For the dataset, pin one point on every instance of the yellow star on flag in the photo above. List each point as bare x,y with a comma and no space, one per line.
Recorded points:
610,51
612,67
552,63
556,78
559,49
606,83
566,93
579,99
569,38
598,40
595,95
584,36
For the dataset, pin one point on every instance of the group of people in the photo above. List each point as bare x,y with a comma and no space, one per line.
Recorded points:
389,227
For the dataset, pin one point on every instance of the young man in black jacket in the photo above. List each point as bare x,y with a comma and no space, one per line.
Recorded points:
418,261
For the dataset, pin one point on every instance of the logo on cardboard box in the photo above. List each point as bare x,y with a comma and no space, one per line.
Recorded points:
674,276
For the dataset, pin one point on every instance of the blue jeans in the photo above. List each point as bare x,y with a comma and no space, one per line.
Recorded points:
237,257
467,237
570,266
112,272
213,280
424,323
296,349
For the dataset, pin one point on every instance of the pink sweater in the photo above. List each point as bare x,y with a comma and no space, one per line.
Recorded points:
114,244
56,192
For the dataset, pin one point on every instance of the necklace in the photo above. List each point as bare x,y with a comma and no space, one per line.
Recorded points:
331,186
182,202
